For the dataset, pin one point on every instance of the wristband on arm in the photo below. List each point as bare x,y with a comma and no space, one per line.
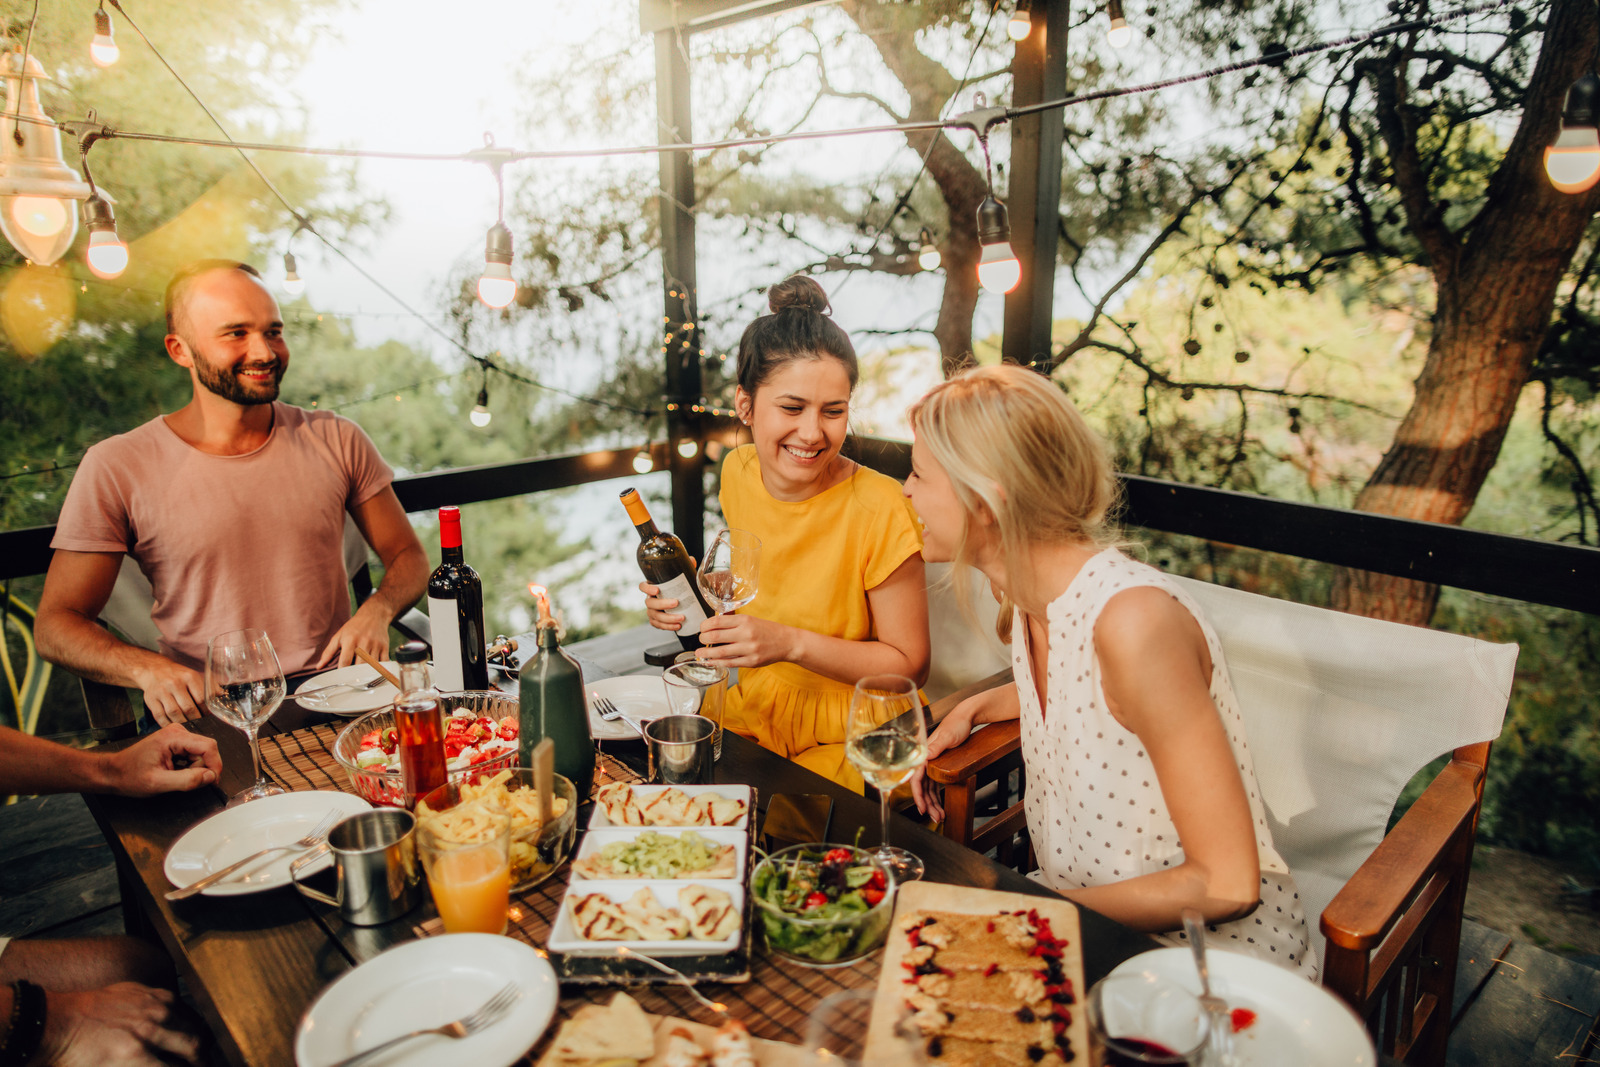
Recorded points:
26,1030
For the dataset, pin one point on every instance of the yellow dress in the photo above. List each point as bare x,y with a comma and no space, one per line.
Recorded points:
818,559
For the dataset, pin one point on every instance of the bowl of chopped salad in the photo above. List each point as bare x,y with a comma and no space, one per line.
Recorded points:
480,733
823,905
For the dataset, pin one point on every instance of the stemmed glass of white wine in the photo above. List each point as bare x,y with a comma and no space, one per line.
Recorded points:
244,686
886,740
730,574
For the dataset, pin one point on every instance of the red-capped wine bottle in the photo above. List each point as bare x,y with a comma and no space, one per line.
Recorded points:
666,564
455,614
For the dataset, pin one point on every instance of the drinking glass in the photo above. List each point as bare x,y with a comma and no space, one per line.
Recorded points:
887,740
1143,1018
836,1032
730,574
468,862
244,686
696,688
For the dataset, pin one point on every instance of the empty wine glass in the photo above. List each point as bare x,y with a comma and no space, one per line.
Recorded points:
244,686
886,740
731,572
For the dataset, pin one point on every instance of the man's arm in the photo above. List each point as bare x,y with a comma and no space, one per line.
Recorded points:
31,765
383,523
67,634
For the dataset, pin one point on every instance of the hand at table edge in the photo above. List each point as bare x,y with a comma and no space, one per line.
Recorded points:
149,767
118,1026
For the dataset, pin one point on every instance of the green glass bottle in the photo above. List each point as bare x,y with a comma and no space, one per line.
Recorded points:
552,705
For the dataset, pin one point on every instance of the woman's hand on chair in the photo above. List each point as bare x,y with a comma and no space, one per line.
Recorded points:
745,641
951,732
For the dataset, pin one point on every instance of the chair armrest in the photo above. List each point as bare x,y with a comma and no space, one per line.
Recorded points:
940,708
1370,903
988,743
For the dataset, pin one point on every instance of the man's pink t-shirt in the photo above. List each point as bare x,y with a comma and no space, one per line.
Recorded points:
231,541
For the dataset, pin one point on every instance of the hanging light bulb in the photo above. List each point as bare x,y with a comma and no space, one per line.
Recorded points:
293,284
1021,23
103,49
1120,33
497,288
480,412
998,269
107,254
35,182
928,258
1573,158
644,463
687,449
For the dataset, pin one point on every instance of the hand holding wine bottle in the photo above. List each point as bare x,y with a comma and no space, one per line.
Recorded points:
666,564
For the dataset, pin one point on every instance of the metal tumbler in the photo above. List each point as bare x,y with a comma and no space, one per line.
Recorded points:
375,859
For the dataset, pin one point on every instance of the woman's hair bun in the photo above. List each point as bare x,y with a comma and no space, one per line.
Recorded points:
798,291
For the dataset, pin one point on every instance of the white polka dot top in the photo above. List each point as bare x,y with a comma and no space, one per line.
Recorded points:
1095,810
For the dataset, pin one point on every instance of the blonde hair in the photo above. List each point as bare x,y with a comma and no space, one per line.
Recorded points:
1014,446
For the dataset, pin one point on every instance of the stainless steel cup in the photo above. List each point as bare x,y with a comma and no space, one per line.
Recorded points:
681,749
375,859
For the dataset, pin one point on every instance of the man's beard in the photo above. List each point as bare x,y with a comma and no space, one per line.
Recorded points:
226,384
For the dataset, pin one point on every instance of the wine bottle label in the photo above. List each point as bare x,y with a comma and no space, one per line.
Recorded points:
678,588
448,674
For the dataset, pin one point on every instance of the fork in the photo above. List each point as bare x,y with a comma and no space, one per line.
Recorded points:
608,711
488,1015
323,692
1220,1039
316,837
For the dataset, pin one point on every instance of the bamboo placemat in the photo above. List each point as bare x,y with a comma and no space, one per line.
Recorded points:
775,1003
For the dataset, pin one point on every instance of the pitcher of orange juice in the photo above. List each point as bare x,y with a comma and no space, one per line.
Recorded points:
468,864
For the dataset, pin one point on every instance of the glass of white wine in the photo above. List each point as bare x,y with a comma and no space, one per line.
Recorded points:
244,686
730,574
886,740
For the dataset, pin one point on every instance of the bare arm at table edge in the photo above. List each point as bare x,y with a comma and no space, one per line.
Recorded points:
68,634
383,523
30,765
992,705
899,607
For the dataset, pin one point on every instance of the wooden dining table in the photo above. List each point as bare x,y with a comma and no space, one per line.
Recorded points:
253,964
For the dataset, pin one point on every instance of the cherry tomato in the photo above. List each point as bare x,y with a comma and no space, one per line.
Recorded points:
507,728
839,855
389,741
878,882
871,896
816,900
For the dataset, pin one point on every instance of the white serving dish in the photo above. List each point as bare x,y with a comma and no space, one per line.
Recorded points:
595,840
564,935
599,820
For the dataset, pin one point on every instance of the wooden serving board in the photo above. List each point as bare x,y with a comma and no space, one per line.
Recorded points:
889,1006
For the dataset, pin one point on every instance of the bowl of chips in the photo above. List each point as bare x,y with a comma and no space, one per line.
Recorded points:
536,850
366,747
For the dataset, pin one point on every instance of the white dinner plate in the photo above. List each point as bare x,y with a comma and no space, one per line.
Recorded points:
351,701
1296,1022
427,983
234,833
641,697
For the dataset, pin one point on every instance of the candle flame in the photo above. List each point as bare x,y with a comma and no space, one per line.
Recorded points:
542,596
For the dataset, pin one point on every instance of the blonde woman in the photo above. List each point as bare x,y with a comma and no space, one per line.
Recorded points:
1141,797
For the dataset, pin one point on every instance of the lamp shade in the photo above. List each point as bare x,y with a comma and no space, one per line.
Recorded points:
36,185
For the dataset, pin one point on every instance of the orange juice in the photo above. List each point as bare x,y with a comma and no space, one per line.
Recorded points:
472,889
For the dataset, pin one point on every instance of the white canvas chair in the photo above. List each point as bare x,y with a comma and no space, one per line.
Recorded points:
1341,712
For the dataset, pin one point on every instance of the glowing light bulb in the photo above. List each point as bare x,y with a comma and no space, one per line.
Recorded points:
928,258
1020,26
643,463
998,269
42,216
497,288
107,253
1573,160
480,412
687,449
103,49
1119,33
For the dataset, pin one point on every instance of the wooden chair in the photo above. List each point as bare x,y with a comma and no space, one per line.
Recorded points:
1342,711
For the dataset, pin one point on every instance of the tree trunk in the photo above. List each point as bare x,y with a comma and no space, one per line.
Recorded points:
1496,289
892,29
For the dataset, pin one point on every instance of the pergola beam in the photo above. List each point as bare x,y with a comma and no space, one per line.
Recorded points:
692,16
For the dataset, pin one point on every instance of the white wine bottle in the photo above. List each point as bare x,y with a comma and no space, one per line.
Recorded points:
666,564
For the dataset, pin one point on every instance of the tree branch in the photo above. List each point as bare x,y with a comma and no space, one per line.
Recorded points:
1399,130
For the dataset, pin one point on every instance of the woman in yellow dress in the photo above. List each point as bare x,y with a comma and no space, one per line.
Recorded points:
842,593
